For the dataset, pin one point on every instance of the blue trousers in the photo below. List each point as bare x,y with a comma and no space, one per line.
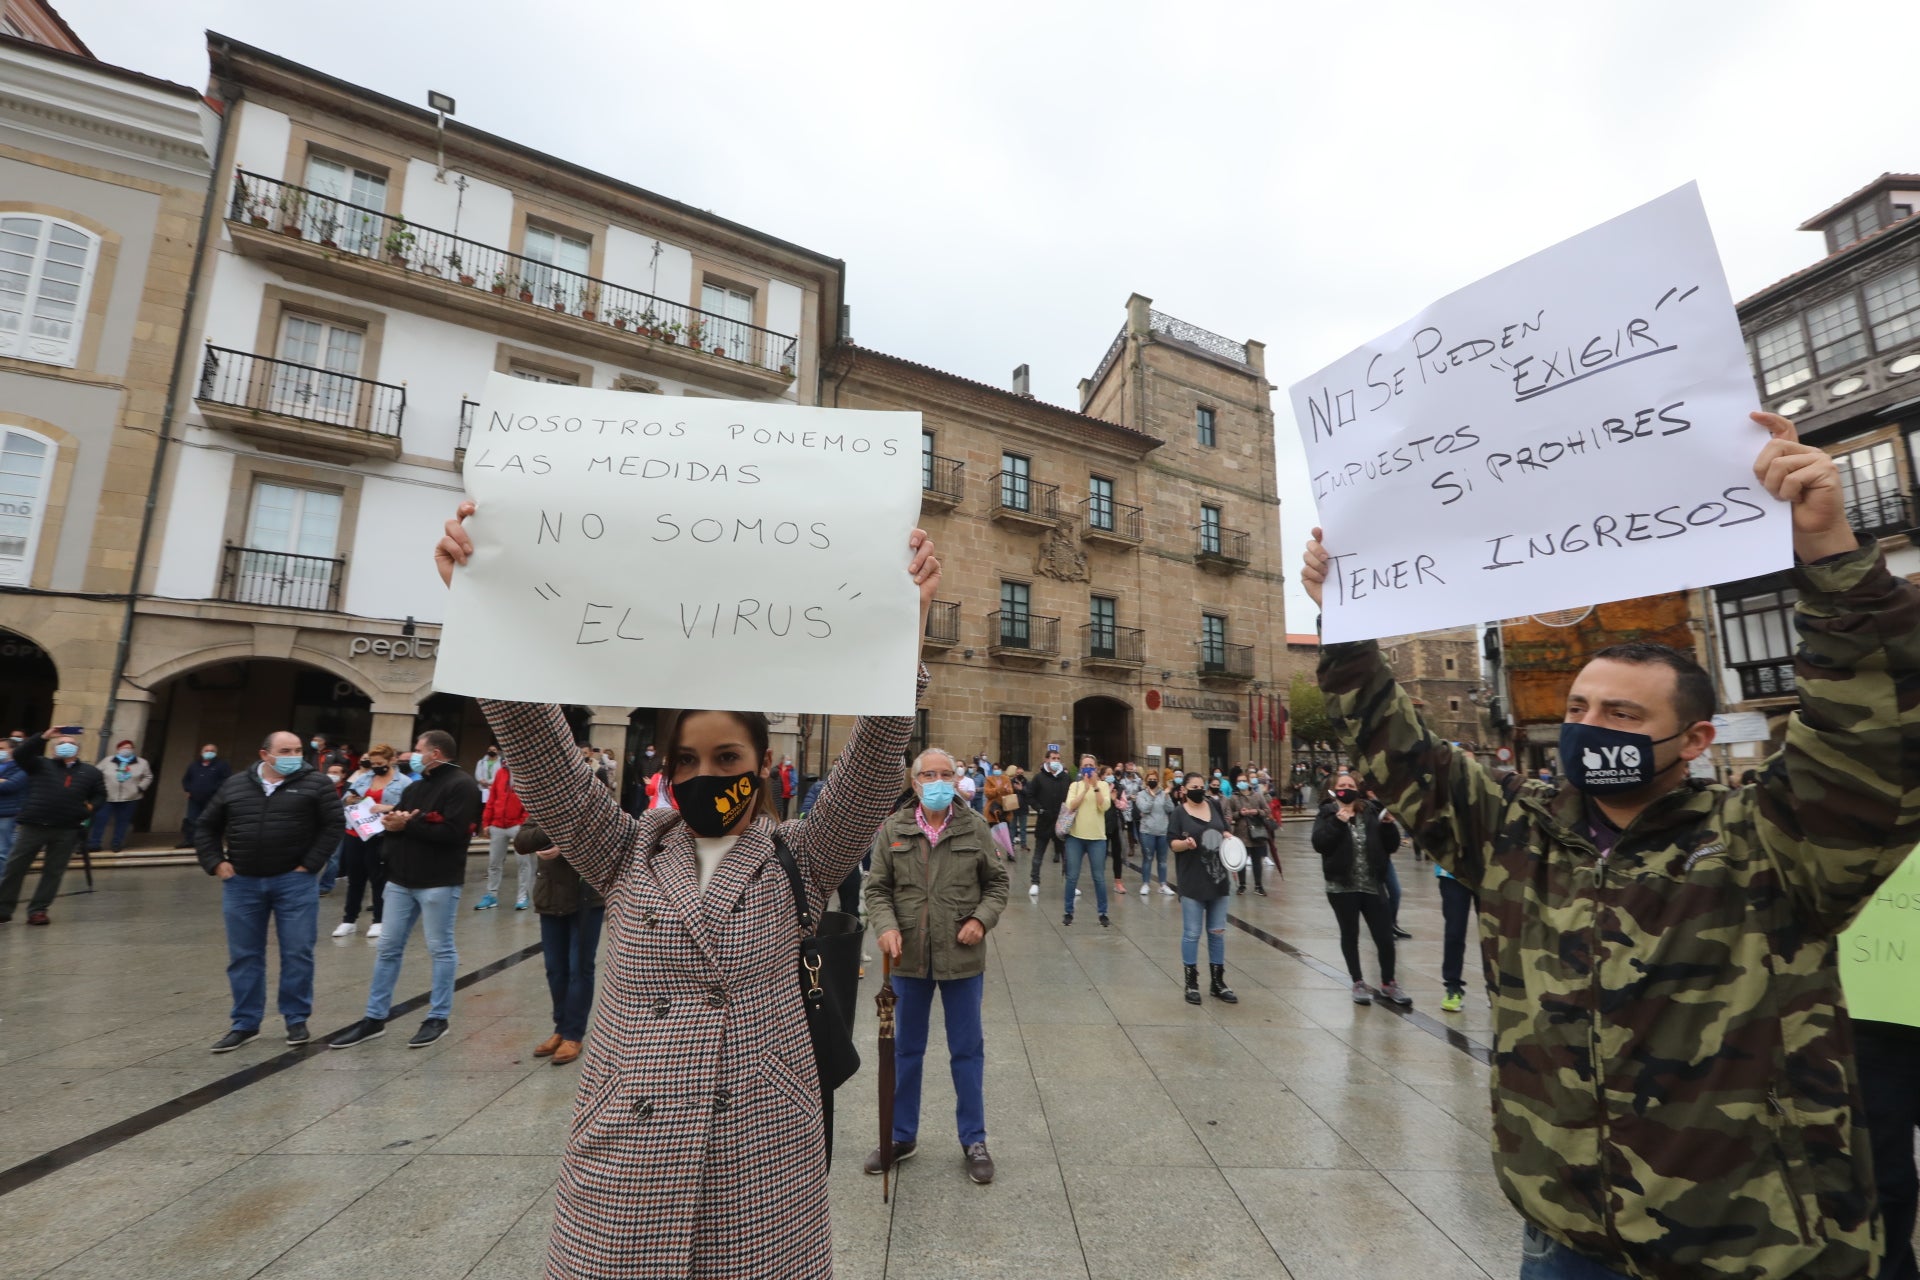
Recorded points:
966,1053
570,945
1544,1258
434,908
118,812
331,872
293,901
1096,853
6,840
1153,849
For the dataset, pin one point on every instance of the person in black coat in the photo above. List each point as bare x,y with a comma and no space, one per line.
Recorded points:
201,780
267,833
62,793
1045,795
1353,836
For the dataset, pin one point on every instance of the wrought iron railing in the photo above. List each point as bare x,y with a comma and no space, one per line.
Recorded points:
1766,680
1880,514
1028,631
1217,659
467,409
249,575
943,477
1023,495
1113,519
1101,643
1224,544
943,622
1114,349
1192,334
373,234
246,381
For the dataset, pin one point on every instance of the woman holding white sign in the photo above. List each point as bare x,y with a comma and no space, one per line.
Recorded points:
697,1146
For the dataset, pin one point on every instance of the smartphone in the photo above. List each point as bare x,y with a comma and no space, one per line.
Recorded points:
71,730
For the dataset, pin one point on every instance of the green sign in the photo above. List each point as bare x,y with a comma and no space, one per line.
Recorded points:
1880,953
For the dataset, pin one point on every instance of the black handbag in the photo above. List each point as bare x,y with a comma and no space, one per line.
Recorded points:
829,981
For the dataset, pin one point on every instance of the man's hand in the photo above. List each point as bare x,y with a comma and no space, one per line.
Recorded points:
455,544
971,931
396,820
547,854
224,871
1313,566
1806,477
890,943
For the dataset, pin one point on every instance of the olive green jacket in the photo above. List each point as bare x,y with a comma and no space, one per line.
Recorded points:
928,891
1674,1090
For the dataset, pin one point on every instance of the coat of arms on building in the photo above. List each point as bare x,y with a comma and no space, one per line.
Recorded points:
1061,558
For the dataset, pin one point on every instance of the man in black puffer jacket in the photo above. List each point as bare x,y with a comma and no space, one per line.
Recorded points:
62,793
267,833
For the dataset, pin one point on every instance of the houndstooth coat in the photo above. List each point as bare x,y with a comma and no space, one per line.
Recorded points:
696,1147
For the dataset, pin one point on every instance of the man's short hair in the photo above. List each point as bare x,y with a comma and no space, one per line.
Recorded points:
935,751
1693,697
267,743
440,740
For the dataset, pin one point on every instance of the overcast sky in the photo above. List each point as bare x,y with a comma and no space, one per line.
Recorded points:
999,177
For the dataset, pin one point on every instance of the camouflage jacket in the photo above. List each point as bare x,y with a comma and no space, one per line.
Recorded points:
1673,1086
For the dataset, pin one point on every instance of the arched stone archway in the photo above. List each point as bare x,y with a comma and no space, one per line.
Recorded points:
1103,726
29,682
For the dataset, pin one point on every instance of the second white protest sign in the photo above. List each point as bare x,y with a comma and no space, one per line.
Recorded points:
1568,431
637,550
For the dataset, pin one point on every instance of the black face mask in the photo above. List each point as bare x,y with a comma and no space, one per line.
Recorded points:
381,768
1196,794
1346,797
714,804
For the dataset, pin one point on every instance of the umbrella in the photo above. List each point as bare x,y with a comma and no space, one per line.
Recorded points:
884,1001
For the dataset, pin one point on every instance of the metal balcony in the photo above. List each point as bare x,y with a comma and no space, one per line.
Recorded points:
467,409
943,482
1024,503
1113,523
1883,515
1220,549
298,226
1114,648
1230,663
1022,635
943,625
281,402
249,575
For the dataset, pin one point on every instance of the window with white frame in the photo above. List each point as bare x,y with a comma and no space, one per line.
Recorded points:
26,475
1838,338
1782,352
352,217
1870,478
729,319
526,374
1893,307
318,377
289,559
46,269
557,274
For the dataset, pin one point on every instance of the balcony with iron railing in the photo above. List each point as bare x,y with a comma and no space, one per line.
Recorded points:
943,625
1022,635
943,482
1221,549
282,402
1022,502
1229,663
1115,648
291,225
250,575
1883,515
1766,679
467,409
1114,523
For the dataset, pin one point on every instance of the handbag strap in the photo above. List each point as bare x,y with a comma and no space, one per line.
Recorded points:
810,962
801,907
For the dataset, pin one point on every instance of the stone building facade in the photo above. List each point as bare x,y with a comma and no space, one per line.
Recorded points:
1441,669
1112,572
103,186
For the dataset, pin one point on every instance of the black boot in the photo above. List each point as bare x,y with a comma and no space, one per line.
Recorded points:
1193,984
1221,991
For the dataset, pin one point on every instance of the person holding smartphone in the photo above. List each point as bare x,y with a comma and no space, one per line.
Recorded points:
63,794
1088,800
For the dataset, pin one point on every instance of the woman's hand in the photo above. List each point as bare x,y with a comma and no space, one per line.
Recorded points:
454,546
924,568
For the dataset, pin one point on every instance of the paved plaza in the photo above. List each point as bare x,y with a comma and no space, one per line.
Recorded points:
1294,1134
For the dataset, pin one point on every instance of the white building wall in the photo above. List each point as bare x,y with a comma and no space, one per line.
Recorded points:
783,308
189,567
484,212
261,141
392,574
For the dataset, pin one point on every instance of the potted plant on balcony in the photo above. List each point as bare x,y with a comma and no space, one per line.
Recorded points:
526,289
293,208
259,206
398,243
501,280
557,290
669,332
648,323
458,267
786,371
696,331
620,316
589,301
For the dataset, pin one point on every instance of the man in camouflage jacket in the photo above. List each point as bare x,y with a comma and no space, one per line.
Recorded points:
1674,1091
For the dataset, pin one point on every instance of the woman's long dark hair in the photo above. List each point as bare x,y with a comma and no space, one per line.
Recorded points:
758,736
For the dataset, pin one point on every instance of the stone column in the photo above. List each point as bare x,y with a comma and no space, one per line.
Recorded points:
607,731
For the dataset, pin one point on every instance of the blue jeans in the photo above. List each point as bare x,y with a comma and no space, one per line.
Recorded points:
120,813
331,872
6,840
966,1052
293,900
1544,1258
1096,853
570,944
434,908
1153,847
1193,914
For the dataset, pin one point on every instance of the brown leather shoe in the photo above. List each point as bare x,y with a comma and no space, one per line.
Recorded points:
901,1151
548,1046
568,1051
979,1164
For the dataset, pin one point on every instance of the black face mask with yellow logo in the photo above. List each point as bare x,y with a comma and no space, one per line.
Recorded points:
713,804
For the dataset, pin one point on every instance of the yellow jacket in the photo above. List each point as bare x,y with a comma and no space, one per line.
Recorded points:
1090,816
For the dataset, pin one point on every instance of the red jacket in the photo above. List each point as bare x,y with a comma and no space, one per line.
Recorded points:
503,802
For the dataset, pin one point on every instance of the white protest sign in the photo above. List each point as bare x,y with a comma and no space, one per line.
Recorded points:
669,551
1741,726
1569,431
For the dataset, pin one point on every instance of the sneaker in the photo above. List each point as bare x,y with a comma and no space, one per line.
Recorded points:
1078,892
1452,1003
38,917
373,931
979,1164
297,1033
1168,889
346,928
234,1039
1400,933
430,1030
521,903
363,1030
488,903
1391,991
1261,890
1119,887
1104,922
1067,918
901,1151
1033,891
1145,889
1362,993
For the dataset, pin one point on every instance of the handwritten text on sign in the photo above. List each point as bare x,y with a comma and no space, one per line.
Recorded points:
668,551
1568,431
1880,951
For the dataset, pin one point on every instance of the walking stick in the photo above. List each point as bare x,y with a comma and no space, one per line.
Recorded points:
884,1000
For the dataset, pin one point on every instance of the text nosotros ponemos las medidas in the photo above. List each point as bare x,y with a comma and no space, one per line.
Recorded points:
643,467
